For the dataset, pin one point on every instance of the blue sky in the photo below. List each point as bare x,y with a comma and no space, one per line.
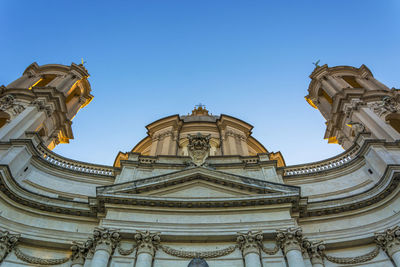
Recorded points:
248,59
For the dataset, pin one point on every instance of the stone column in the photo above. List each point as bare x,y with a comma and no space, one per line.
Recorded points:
249,244
79,252
290,240
105,241
389,241
7,243
147,245
314,251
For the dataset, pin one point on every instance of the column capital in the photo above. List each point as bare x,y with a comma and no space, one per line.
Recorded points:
147,242
290,239
250,242
80,251
389,240
105,239
7,243
314,250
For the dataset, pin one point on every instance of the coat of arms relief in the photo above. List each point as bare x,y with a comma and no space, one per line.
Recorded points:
198,148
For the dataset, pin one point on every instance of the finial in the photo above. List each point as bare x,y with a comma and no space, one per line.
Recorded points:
316,63
200,106
83,62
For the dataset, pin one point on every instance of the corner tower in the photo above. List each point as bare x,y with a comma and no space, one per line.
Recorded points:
44,100
352,101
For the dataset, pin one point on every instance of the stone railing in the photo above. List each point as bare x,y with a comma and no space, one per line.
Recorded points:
74,165
324,165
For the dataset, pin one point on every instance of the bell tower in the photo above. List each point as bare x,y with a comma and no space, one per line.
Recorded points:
44,100
352,101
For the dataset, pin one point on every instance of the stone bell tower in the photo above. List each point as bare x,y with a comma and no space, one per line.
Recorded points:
352,101
44,100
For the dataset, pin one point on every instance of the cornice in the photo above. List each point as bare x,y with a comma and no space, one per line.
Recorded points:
15,192
388,184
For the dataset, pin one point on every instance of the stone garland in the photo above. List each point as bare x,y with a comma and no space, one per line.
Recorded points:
270,251
203,254
34,260
353,260
125,252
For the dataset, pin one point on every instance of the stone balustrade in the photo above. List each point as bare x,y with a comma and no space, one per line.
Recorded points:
324,165
73,165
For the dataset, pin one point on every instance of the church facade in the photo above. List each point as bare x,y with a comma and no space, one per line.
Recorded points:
199,189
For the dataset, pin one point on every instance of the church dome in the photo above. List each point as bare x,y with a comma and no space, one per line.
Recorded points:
228,136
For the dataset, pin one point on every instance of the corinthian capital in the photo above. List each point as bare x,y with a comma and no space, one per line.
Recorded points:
389,240
147,242
105,239
7,243
290,239
80,251
314,250
250,242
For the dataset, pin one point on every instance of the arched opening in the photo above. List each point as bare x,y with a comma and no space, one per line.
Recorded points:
351,80
4,118
45,80
394,121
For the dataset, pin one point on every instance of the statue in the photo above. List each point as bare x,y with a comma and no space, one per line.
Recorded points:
198,148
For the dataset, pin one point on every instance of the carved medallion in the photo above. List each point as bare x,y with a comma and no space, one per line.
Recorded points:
199,148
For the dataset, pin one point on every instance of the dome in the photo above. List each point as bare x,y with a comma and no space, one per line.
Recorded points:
228,136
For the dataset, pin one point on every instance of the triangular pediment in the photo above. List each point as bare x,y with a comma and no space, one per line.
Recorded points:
197,189
198,182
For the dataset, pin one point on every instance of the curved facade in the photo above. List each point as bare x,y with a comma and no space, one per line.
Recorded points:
199,190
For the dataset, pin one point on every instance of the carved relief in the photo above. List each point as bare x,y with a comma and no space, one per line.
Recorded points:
199,148
387,105
8,104
106,239
41,106
7,243
314,250
80,251
250,242
147,242
389,240
290,239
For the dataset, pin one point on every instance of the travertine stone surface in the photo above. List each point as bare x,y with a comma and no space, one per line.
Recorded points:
199,185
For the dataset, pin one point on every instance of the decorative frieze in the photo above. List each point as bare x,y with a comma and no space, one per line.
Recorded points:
250,242
7,243
147,242
389,240
290,239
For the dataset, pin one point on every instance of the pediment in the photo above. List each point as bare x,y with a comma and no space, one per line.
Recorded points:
197,189
198,182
